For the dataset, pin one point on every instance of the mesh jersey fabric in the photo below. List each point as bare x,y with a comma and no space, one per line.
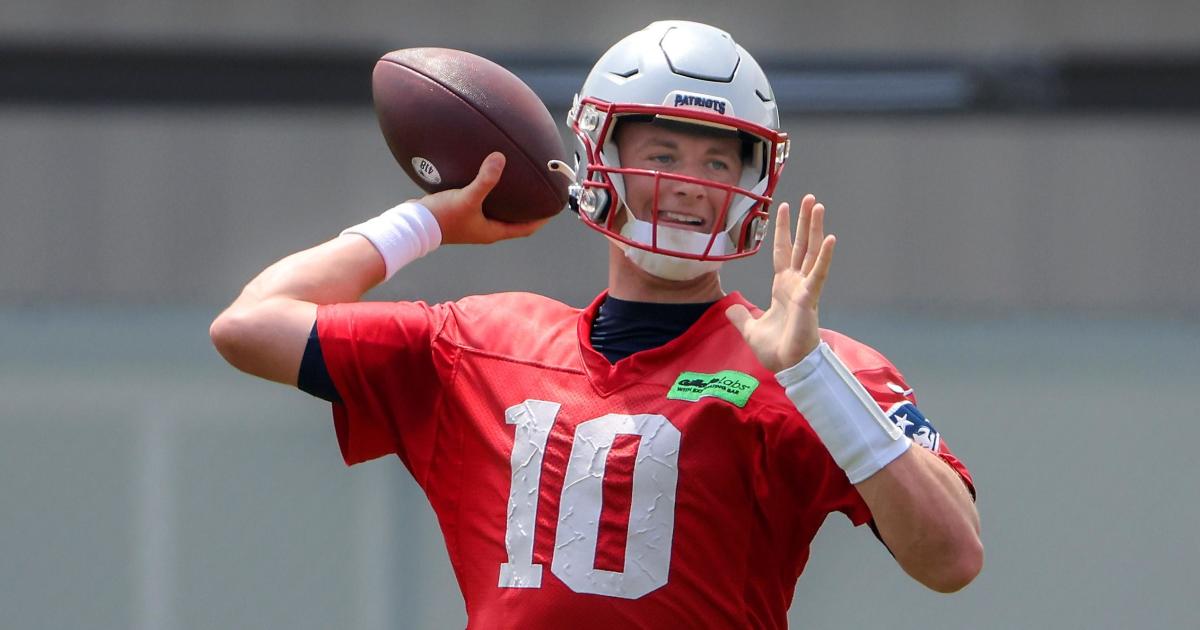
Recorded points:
632,508
620,329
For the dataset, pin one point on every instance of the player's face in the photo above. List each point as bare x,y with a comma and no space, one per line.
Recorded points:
682,205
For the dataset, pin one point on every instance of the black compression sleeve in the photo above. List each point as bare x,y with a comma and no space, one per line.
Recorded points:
314,376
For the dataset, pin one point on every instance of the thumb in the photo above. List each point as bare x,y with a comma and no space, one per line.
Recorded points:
739,316
487,177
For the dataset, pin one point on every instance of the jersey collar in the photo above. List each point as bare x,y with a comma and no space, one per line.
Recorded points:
607,377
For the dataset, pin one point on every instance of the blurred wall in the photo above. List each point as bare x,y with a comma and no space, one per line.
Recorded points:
145,484
544,25
996,213
965,214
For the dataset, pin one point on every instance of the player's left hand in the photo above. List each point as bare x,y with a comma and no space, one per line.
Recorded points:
788,331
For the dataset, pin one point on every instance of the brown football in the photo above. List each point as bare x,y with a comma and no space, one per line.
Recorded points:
442,111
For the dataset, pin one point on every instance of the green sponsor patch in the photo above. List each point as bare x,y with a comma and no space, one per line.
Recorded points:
728,385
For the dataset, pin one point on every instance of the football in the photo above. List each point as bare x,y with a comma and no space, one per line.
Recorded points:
443,111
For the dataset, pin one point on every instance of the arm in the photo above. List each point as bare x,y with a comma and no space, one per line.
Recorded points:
921,507
266,328
926,518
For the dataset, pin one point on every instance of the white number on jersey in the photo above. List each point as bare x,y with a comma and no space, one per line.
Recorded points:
651,515
533,419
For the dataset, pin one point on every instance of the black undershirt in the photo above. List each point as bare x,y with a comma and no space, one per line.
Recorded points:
314,375
620,329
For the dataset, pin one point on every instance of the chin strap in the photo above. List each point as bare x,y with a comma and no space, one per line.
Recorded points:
669,267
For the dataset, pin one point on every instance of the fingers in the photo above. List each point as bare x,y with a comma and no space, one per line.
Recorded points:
803,234
820,269
816,238
487,177
739,316
812,248
782,247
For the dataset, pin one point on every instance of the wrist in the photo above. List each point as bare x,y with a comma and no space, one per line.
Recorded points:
401,235
851,425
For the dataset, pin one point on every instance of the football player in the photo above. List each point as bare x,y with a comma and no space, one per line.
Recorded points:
663,457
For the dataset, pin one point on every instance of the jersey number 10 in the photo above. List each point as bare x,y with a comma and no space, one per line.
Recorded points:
651,514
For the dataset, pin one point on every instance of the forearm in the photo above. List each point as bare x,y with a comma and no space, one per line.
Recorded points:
265,330
927,518
339,270
920,505
344,269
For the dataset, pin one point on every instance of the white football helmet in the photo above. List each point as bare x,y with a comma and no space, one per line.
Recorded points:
688,76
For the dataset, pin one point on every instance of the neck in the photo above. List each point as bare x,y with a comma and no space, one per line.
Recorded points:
627,281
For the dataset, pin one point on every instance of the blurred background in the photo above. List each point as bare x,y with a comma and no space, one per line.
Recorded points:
1013,187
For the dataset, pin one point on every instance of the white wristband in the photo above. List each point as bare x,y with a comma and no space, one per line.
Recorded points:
402,235
849,422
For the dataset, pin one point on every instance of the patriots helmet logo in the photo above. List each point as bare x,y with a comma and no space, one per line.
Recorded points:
915,425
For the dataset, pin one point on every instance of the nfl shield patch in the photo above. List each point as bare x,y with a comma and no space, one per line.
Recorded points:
914,424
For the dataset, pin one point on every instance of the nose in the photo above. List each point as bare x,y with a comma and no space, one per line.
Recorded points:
687,189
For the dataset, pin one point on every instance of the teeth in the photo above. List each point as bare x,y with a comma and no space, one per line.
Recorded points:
681,218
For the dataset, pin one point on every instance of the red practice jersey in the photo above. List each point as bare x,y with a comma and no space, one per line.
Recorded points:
678,488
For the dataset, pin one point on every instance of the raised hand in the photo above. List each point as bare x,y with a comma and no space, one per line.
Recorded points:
788,330
459,211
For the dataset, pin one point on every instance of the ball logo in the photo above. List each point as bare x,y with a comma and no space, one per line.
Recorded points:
426,170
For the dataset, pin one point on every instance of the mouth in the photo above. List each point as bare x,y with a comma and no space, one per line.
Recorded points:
680,218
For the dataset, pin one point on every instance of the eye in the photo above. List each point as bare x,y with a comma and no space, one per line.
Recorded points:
719,165
662,158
